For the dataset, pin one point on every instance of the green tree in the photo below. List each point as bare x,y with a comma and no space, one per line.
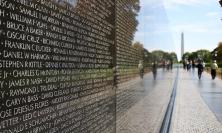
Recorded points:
138,45
160,55
186,56
174,57
219,51
203,54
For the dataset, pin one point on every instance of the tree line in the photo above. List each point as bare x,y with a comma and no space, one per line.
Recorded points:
158,56
206,55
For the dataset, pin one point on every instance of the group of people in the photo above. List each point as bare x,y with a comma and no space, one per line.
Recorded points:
188,64
166,65
200,65
154,69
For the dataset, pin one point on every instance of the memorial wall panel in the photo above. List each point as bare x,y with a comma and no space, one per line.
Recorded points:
56,60
128,57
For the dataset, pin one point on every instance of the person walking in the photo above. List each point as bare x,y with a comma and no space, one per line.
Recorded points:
188,65
171,64
200,68
193,65
141,68
204,65
214,68
184,65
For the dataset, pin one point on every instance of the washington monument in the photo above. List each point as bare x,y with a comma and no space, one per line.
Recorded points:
182,45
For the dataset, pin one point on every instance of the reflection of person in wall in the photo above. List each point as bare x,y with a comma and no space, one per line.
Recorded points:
154,69
141,68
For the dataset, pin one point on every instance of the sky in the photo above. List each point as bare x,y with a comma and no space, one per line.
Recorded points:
161,23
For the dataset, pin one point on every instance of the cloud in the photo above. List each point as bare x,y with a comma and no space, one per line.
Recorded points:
182,2
140,36
214,14
150,2
173,3
197,28
161,29
149,18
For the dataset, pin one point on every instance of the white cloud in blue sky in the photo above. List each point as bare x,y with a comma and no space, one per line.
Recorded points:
162,21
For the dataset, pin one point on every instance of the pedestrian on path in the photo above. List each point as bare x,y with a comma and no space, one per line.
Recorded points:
193,65
141,68
188,65
200,68
214,68
171,64
204,65
184,65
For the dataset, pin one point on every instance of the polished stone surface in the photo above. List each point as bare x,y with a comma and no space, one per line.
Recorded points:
146,115
197,107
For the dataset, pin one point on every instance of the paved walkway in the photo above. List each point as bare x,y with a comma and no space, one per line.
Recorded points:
146,115
191,113
198,105
211,92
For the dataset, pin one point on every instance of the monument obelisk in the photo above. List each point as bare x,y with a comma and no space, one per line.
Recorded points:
182,45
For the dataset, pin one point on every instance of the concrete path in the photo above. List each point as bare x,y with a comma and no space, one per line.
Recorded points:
147,114
211,92
191,112
142,104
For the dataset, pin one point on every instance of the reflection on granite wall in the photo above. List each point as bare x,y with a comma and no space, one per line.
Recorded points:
128,57
56,64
